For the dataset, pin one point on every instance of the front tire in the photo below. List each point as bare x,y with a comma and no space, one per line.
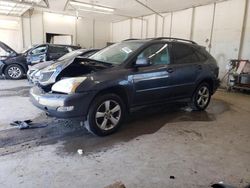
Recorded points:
14,72
105,115
201,97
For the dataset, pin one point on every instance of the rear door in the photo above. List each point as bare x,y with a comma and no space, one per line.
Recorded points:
55,52
185,68
151,82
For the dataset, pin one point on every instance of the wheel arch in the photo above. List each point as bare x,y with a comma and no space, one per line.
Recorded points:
20,64
209,81
118,90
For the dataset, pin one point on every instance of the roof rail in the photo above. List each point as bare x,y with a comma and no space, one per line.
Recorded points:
174,39
130,39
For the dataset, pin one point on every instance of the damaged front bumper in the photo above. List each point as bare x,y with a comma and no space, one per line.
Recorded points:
61,105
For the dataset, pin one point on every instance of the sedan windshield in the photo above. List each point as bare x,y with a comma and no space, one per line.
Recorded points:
117,53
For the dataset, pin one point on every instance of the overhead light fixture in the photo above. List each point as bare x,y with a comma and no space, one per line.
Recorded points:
92,7
95,11
104,8
13,8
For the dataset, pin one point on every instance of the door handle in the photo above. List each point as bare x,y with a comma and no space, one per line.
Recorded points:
199,67
170,70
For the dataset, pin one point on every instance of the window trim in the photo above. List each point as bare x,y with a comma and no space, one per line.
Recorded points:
148,46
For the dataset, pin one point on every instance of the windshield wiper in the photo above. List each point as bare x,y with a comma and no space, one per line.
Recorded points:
98,61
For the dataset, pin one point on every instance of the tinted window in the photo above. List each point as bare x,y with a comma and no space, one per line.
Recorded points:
39,50
183,53
157,54
200,55
58,49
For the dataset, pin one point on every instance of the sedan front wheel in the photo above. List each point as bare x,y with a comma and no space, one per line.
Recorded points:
14,72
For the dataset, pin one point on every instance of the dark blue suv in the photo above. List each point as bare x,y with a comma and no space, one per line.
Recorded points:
129,74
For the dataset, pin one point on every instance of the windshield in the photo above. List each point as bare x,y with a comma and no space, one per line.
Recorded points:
3,52
117,53
71,55
25,50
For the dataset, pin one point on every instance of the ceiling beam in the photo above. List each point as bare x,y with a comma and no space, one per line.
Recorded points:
149,8
26,3
47,3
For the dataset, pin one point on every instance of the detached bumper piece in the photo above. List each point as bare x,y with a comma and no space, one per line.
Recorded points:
61,105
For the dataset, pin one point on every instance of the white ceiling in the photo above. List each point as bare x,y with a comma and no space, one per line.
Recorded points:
131,8
124,8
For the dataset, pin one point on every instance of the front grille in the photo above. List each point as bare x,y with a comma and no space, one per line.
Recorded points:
45,76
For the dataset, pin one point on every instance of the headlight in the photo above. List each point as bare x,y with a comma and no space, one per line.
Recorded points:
37,74
68,85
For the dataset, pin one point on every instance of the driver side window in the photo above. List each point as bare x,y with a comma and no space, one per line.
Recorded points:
39,50
157,54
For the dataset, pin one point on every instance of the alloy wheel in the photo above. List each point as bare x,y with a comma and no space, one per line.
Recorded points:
108,115
14,72
203,96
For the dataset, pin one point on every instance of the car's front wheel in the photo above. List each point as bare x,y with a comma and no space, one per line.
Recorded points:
201,97
14,72
105,114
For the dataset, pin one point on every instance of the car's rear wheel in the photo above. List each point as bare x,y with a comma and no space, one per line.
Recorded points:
105,114
14,72
201,97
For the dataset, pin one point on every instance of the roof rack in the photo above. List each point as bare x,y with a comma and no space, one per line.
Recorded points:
174,39
130,39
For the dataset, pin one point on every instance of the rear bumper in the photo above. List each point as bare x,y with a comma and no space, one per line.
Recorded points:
216,85
62,105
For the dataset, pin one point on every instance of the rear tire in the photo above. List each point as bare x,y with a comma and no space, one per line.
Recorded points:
105,115
14,72
201,97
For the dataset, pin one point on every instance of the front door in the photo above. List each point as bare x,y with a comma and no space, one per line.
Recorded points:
151,82
37,55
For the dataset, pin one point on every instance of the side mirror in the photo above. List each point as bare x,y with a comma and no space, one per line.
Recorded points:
142,62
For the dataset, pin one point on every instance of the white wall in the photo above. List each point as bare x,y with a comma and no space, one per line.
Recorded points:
121,30
101,34
85,32
167,24
136,28
181,24
246,41
11,32
217,27
202,26
227,32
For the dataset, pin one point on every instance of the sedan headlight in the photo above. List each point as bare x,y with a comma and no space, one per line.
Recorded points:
68,85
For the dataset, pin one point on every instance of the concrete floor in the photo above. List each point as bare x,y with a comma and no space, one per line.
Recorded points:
197,148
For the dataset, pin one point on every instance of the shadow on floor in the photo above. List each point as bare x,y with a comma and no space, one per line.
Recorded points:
143,121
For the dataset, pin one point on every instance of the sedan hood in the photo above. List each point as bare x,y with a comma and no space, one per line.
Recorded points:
7,48
40,66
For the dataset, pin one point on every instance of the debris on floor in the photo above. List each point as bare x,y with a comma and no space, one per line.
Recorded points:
116,185
26,124
172,177
80,151
222,185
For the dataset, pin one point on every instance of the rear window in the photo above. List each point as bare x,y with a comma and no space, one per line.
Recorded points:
183,53
58,49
